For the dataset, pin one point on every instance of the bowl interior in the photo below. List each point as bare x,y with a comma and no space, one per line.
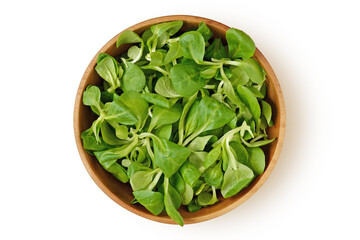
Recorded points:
122,193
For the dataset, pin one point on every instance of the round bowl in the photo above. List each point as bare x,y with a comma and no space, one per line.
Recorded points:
121,193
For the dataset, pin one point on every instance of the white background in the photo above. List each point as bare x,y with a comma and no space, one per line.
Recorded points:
46,193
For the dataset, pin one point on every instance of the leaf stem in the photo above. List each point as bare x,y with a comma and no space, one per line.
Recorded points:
220,86
222,73
183,116
156,180
192,136
171,40
258,137
147,134
153,48
234,63
141,51
227,135
156,68
125,62
258,143
231,157
227,61
210,87
148,148
210,63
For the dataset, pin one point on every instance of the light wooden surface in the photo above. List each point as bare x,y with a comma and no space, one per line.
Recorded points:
121,193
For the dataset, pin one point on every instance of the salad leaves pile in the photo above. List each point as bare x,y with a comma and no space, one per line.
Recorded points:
181,117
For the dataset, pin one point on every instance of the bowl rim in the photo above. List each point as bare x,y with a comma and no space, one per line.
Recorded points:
210,215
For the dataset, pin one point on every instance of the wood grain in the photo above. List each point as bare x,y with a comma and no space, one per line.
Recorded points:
121,193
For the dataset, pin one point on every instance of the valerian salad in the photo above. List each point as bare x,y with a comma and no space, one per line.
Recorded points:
181,116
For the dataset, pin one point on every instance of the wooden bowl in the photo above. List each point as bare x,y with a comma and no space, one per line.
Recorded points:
121,193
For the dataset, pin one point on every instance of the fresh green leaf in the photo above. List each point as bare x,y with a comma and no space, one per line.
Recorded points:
121,131
101,56
156,99
212,114
233,123
170,27
256,160
152,201
91,97
133,79
236,179
250,101
240,44
253,69
240,151
134,52
174,195
194,206
187,195
205,31
266,112
108,70
108,160
162,116
216,50
186,108
133,100
126,163
141,180
258,143
169,156
108,134
138,154
118,172
192,118
177,182
263,88
199,143
119,112
245,128
136,167
223,74
173,53
90,142
212,156
164,131
209,72
128,36
193,46
214,176
190,173
239,76
256,92
171,198
162,40
110,156
206,198
197,158
186,79
165,88
146,35
157,58
232,95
